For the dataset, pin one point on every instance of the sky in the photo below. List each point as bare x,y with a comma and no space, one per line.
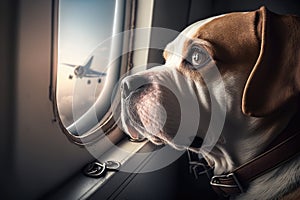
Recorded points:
83,26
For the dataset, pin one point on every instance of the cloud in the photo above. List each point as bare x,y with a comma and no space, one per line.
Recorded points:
75,97
71,109
64,105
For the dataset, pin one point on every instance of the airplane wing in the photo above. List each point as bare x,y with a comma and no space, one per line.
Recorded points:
87,65
90,76
89,62
93,73
69,65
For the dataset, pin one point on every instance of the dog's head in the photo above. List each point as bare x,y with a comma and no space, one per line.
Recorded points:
256,55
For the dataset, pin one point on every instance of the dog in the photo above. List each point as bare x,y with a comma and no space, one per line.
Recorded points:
257,56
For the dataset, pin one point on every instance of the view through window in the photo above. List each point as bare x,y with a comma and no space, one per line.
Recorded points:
85,28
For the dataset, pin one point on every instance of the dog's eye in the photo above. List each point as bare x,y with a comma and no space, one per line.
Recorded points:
198,57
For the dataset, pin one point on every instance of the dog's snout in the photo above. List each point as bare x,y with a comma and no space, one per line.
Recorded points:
132,83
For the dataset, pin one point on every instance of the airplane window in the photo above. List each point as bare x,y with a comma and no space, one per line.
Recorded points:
85,70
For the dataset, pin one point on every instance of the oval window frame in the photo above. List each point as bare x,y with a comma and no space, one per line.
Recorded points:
108,122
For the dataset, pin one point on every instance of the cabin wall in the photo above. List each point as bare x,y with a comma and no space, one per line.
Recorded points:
37,154
8,48
36,157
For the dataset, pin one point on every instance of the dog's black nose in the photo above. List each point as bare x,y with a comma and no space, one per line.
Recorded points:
132,83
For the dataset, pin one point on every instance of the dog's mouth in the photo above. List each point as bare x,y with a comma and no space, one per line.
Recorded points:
151,111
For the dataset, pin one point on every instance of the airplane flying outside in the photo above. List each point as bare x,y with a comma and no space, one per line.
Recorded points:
85,71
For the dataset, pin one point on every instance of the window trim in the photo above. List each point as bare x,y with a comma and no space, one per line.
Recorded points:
108,123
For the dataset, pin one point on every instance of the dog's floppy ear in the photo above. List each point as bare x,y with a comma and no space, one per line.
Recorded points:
275,78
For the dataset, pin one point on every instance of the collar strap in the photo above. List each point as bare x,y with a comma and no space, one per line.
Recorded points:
281,151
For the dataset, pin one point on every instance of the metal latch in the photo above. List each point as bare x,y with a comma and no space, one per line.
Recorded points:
97,169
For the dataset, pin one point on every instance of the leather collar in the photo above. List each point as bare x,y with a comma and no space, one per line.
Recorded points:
285,147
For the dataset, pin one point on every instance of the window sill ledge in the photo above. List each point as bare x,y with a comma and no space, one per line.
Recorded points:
82,187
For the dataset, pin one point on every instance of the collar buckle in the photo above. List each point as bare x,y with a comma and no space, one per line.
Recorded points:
227,183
